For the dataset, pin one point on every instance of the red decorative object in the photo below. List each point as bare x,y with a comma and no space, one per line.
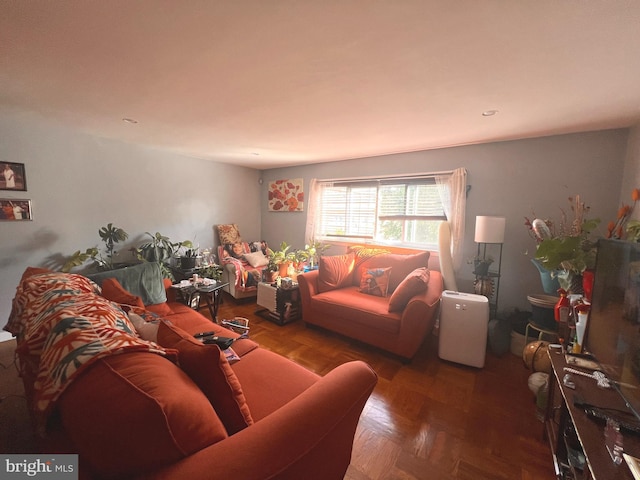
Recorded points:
561,310
588,277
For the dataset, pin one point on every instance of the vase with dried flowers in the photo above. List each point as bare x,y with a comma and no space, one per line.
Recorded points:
566,249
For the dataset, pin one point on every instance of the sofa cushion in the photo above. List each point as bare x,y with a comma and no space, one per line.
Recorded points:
367,310
413,284
144,280
135,412
113,291
335,271
210,370
375,281
270,381
401,265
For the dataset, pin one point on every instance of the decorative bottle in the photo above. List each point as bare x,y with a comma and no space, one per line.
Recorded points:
561,314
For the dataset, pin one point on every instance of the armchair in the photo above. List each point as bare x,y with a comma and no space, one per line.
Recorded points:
242,262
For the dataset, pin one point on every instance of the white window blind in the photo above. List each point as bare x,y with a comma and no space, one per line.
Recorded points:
399,211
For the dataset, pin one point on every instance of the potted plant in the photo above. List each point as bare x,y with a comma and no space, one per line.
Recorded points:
283,258
160,249
188,259
314,249
110,235
481,266
568,250
270,272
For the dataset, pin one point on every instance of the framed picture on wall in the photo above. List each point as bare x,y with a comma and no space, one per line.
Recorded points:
13,176
15,209
286,195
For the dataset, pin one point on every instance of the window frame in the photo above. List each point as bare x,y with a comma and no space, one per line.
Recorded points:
377,218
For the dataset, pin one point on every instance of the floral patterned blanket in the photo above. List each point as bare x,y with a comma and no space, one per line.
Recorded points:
63,320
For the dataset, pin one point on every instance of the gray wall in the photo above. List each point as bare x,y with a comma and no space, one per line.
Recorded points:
511,179
78,183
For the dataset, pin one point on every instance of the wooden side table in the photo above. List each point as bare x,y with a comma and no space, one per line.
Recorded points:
280,305
191,294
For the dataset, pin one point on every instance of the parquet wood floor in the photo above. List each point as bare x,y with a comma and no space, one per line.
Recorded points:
428,419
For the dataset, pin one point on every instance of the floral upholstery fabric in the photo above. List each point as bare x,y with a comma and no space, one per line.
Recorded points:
229,234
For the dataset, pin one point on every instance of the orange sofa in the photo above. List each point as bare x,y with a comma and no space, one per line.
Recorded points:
344,295
173,407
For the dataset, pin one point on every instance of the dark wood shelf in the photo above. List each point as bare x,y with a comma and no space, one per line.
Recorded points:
562,415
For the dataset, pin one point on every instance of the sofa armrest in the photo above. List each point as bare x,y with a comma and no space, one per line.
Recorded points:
311,437
308,283
419,316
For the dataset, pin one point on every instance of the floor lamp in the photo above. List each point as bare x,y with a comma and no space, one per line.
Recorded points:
489,236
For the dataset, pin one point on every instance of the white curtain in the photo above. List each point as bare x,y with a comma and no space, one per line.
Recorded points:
453,194
313,211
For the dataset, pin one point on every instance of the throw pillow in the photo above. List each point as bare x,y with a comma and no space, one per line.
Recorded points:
113,291
147,330
413,284
335,271
401,264
209,369
229,233
375,281
256,259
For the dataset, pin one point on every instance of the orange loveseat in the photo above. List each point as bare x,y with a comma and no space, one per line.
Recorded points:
339,297
174,407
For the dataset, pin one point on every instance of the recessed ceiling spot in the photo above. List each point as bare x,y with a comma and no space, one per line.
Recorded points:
489,113
129,120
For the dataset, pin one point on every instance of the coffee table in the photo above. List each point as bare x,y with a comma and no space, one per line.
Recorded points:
191,294
280,305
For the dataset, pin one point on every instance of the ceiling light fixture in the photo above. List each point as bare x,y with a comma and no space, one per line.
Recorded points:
489,113
129,120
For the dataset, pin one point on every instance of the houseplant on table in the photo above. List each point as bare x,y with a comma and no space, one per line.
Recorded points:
283,258
110,235
160,249
566,249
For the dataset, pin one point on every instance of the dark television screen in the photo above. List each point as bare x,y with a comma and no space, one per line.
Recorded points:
613,329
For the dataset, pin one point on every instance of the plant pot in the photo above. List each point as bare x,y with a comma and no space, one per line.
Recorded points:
187,263
283,269
550,283
270,277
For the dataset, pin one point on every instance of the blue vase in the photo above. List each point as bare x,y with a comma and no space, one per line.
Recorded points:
550,283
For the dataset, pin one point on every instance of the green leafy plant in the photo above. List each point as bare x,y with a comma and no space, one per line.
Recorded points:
110,235
569,246
211,271
481,265
315,249
633,231
283,255
160,249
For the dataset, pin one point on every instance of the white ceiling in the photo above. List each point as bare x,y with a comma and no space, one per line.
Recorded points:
268,83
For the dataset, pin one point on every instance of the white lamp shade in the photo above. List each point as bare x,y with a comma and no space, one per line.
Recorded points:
489,229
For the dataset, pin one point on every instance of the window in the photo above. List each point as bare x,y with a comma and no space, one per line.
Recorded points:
393,211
